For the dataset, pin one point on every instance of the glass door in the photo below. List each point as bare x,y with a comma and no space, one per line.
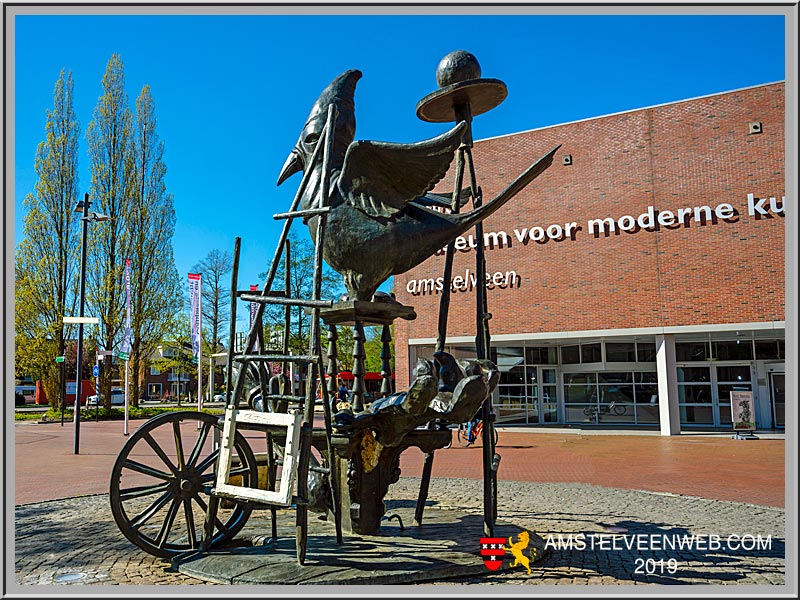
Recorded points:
533,410
777,387
729,378
549,395
543,404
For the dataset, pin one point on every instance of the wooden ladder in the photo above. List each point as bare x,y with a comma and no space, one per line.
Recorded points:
296,425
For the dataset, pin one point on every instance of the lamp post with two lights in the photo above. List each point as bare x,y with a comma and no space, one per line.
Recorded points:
83,207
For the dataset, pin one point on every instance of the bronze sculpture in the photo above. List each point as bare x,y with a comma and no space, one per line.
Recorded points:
367,206
379,224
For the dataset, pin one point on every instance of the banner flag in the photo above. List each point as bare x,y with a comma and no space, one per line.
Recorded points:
126,336
195,284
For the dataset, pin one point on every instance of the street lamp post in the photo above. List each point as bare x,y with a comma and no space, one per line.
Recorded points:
82,206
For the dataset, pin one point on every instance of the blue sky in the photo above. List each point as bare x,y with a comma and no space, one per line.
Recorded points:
233,91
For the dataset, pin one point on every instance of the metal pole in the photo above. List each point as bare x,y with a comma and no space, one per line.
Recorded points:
200,350
127,401
77,418
97,387
63,381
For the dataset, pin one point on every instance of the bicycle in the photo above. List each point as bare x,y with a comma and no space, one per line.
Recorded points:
470,431
612,408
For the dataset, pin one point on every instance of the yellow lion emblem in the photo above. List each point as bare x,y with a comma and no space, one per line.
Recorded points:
523,540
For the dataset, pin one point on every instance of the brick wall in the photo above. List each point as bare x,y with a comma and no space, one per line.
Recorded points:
729,269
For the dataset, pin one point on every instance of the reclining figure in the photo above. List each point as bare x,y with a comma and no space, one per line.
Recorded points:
444,390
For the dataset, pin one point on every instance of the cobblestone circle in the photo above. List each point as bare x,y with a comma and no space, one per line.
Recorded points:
74,541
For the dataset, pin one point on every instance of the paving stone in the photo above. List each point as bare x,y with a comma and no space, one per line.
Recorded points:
56,539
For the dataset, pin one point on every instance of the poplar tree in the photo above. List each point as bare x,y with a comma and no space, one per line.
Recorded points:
155,287
47,256
111,155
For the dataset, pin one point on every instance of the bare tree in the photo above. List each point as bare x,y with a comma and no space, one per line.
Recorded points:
216,295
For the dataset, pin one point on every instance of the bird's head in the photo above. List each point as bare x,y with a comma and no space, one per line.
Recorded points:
341,93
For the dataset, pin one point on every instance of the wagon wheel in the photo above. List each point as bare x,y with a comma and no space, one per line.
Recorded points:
161,483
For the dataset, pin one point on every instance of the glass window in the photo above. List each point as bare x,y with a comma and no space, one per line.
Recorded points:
647,395
694,394
696,415
688,351
645,352
570,355
693,374
578,378
591,353
620,394
724,391
647,413
766,349
733,374
544,355
733,350
611,377
646,377
154,371
781,349
620,352
514,375
580,394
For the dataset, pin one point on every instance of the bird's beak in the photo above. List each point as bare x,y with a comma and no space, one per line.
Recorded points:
293,164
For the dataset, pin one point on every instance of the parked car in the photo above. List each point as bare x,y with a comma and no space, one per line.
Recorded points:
117,398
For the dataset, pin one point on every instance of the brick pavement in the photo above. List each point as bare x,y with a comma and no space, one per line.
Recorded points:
74,540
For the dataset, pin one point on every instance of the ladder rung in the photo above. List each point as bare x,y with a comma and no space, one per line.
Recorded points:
299,399
251,297
298,358
309,212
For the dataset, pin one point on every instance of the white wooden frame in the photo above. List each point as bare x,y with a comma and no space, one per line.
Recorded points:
281,497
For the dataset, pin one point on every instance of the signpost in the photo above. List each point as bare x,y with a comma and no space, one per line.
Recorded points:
744,420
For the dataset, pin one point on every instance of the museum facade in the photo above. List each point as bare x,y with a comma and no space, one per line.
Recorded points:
638,281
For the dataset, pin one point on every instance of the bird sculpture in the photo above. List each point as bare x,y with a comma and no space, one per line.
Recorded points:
382,219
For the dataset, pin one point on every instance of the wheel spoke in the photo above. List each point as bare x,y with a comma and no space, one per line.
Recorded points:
217,523
187,509
161,454
176,430
207,462
168,521
148,509
144,516
242,470
198,446
142,491
146,470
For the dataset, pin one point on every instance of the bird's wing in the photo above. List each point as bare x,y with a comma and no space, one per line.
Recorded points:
442,200
380,178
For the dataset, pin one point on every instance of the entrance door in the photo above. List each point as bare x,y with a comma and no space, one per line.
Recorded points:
544,395
549,395
726,379
777,388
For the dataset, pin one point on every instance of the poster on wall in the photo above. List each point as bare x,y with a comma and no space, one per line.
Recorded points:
742,411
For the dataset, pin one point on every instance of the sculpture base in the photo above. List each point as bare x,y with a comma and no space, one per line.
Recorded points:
366,470
446,546
366,313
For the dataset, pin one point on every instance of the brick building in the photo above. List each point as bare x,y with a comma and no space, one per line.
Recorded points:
639,280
